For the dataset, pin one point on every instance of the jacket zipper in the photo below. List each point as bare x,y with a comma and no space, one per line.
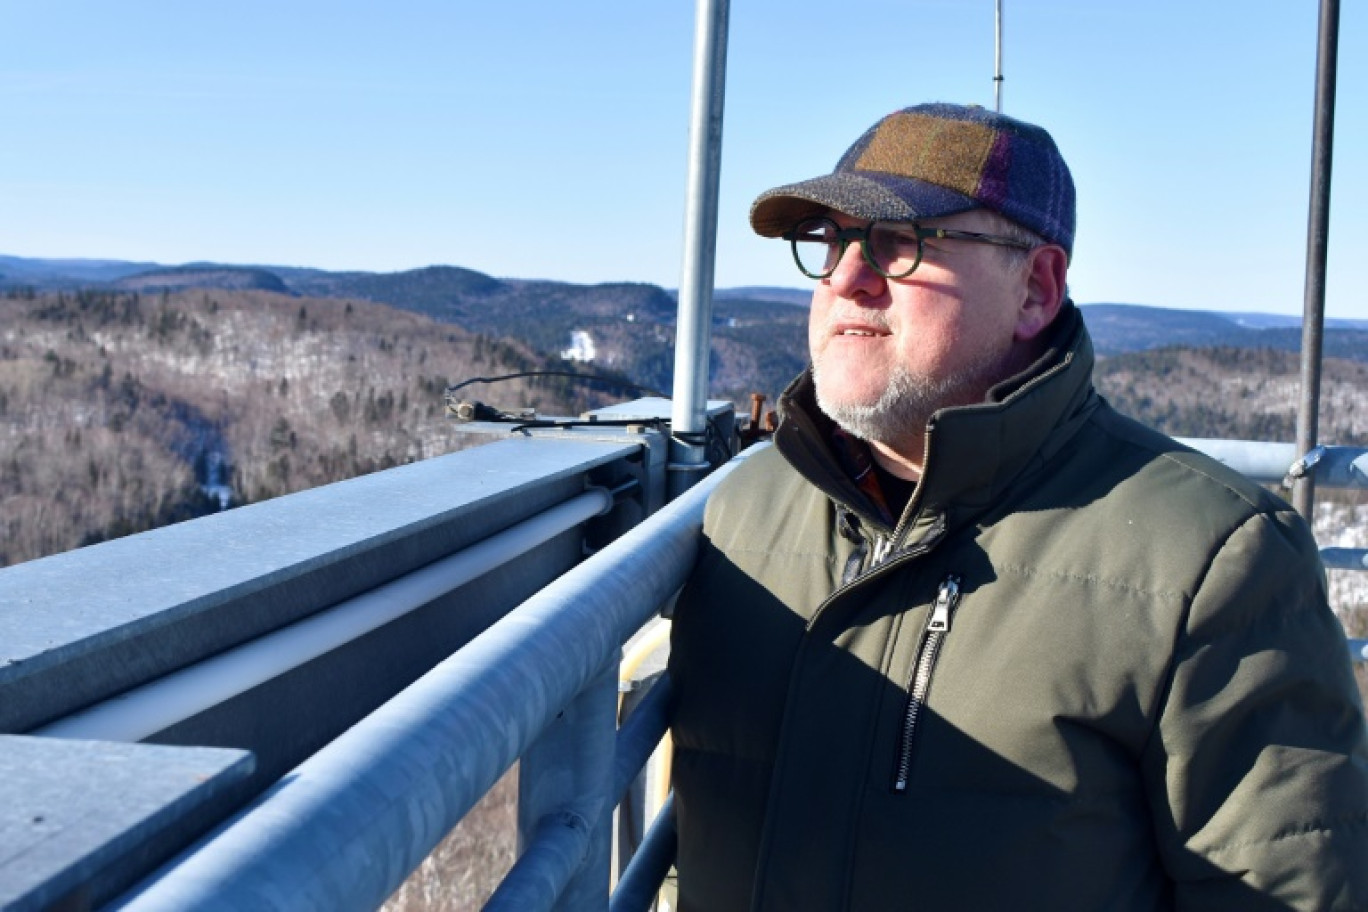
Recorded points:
937,626
848,525
886,557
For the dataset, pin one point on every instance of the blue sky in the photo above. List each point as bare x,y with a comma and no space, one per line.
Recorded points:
547,139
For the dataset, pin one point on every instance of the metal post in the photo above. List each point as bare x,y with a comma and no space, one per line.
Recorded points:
565,784
689,415
1317,241
997,59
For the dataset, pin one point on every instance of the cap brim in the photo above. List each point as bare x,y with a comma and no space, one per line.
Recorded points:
863,195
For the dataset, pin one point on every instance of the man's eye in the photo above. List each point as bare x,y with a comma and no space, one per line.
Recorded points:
893,238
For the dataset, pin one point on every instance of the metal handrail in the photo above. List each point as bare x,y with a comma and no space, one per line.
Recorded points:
389,789
1277,463
1345,558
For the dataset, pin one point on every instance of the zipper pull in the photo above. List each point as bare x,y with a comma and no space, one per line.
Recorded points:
937,628
946,598
883,546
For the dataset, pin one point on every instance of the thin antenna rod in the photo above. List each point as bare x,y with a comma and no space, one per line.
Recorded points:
1317,247
997,63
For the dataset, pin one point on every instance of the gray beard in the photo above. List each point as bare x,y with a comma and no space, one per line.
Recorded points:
907,403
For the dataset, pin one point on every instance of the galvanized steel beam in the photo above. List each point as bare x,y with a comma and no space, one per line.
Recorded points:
158,705
153,603
77,818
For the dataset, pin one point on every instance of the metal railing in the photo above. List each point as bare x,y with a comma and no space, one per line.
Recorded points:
383,679
340,822
346,827
275,629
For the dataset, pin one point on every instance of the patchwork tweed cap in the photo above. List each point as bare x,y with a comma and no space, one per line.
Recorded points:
933,160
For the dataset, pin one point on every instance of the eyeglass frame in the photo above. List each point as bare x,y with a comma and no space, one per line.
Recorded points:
921,233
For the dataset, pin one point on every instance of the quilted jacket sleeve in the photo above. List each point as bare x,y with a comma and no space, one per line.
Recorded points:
1258,769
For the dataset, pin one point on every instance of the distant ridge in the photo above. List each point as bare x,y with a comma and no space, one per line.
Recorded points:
231,278
798,297
66,273
1244,319
759,333
429,286
1120,328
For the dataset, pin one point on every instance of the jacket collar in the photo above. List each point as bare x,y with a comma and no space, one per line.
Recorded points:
973,452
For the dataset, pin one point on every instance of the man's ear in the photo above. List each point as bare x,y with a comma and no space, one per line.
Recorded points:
1045,275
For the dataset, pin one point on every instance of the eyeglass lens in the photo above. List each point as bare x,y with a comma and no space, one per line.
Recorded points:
817,245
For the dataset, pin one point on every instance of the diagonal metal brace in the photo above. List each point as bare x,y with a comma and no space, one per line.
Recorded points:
1302,467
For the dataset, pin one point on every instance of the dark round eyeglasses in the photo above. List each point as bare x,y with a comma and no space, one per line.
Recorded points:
893,249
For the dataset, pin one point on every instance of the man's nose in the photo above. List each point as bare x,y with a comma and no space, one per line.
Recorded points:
853,275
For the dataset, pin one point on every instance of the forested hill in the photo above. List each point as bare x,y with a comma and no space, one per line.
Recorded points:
1237,393
121,411
759,333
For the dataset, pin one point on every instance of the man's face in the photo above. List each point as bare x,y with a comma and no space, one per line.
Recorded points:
889,352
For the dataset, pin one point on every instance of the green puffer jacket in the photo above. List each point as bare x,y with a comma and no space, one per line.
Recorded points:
1090,670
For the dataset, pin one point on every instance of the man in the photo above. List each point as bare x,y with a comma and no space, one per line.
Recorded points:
965,638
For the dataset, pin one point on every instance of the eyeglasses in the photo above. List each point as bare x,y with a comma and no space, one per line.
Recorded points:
893,249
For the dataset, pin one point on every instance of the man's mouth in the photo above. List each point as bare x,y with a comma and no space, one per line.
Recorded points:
860,330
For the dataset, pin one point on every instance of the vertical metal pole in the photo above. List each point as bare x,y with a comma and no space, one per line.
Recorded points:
997,59
570,769
692,328
1317,242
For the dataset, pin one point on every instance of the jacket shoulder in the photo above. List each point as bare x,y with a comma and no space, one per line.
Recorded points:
755,492
1123,506
1168,469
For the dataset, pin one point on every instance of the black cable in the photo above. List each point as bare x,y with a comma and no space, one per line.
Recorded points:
619,382
656,423
715,447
